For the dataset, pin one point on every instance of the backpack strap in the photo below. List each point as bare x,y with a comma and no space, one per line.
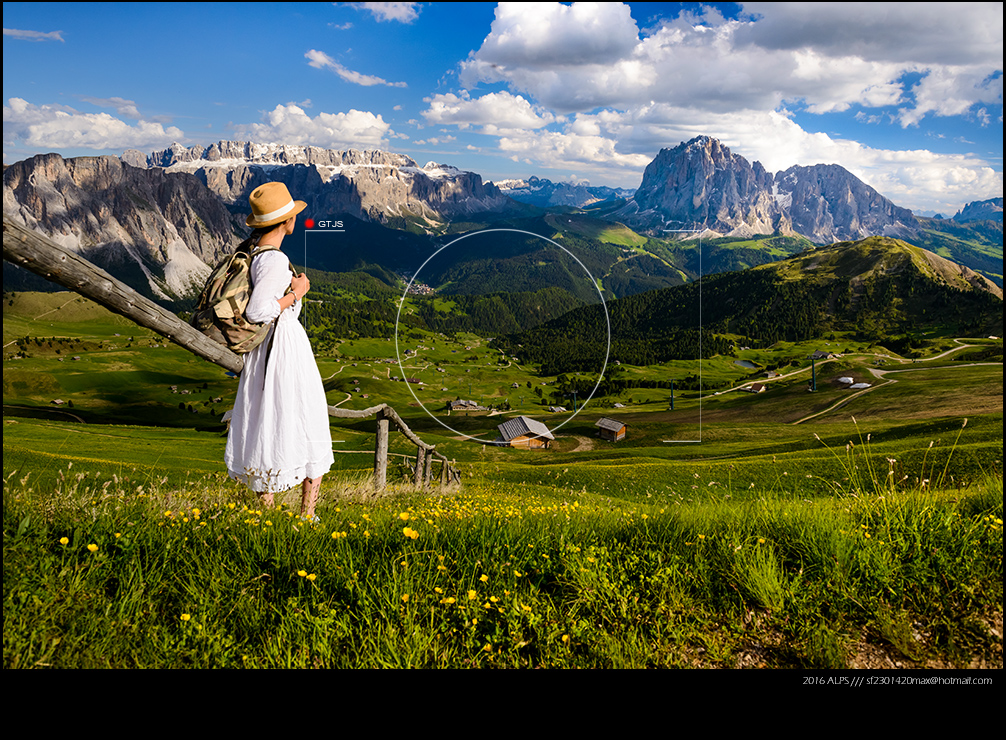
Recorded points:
275,322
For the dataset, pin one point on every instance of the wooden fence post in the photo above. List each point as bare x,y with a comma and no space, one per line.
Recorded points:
417,474
381,452
427,468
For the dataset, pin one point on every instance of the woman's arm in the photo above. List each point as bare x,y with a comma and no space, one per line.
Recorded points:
299,285
271,276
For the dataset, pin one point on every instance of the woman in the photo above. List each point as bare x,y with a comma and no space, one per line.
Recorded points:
279,434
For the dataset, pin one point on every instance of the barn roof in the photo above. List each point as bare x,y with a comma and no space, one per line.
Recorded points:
522,426
612,425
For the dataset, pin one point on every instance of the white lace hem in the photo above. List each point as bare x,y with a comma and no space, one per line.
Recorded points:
277,482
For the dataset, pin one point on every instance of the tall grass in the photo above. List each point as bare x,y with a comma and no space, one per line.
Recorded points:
501,575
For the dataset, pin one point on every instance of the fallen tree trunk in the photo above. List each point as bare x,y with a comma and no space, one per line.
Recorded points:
41,255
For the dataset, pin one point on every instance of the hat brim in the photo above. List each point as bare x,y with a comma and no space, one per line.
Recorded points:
298,206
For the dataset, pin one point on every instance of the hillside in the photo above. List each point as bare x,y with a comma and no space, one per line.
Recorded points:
877,289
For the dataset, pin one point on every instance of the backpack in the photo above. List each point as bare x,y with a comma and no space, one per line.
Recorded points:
220,311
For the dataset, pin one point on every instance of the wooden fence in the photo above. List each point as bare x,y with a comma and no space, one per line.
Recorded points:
42,256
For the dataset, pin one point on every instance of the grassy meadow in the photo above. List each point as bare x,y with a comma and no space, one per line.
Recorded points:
806,530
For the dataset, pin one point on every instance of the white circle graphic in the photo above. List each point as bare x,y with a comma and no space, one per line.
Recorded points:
604,306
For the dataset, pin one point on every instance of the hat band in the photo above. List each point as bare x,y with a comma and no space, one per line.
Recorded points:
275,214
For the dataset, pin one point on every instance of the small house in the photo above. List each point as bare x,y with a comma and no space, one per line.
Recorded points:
461,405
611,429
524,433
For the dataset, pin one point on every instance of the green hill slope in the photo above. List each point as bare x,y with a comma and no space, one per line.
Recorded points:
877,288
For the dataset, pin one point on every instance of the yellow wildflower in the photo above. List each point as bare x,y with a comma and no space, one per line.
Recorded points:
302,573
92,547
64,541
186,617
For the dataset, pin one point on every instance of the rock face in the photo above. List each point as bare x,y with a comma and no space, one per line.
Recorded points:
160,221
545,193
702,184
370,185
827,203
156,230
981,210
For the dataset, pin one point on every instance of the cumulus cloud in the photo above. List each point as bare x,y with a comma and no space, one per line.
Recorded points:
289,124
55,126
922,33
568,149
401,12
546,35
500,111
16,33
321,60
616,93
826,56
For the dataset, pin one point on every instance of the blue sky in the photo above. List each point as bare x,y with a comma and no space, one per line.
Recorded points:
908,96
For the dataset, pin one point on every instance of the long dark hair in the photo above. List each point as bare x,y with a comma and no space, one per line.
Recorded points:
253,239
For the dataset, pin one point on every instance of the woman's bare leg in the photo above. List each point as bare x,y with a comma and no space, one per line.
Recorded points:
309,496
267,500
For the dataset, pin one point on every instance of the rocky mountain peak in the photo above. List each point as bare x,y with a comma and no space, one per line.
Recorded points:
160,228
701,183
981,210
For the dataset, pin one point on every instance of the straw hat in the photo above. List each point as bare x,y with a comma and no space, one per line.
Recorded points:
272,204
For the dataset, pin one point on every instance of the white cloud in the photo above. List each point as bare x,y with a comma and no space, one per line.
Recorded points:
829,56
568,150
914,33
627,93
546,35
15,33
951,91
500,111
289,124
321,60
401,12
32,126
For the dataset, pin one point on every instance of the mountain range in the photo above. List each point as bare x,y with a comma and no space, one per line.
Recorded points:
701,184
547,194
159,220
369,185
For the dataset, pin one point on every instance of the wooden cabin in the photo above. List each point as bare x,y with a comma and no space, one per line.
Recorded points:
611,429
524,433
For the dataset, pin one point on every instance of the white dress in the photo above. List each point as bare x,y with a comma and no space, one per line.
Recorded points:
279,433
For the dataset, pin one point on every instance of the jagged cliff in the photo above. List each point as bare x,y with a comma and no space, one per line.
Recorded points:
158,228
369,185
702,184
981,210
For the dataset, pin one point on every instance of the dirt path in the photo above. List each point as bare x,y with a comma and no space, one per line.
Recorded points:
59,307
583,444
